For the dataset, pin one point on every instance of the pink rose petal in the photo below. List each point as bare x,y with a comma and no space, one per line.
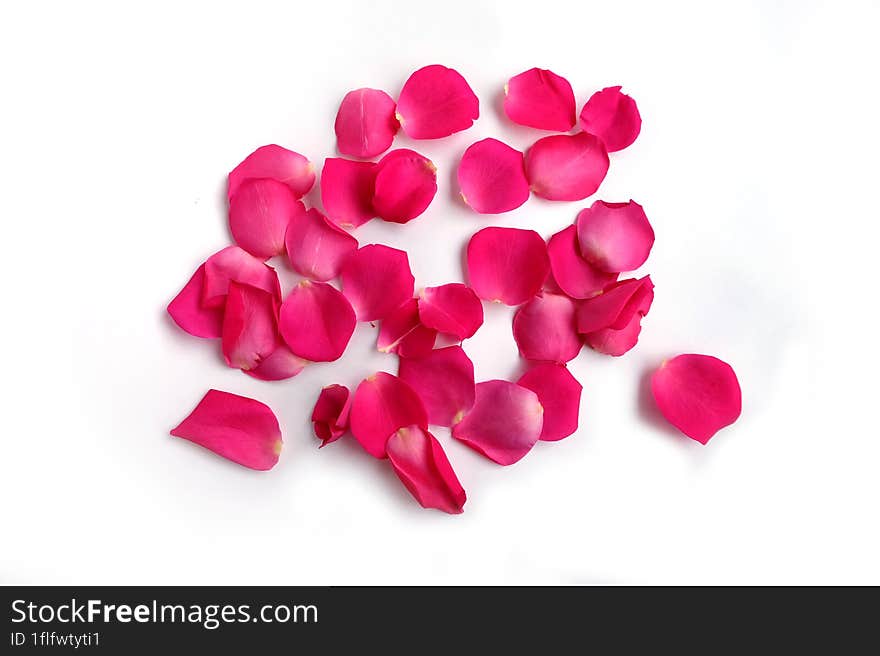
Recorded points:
566,167
422,466
316,321
330,415
616,305
259,214
187,311
613,117
453,309
377,280
280,364
277,163
235,264
698,394
539,98
573,274
614,237
444,381
507,264
403,333
545,329
435,102
249,326
316,247
382,405
406,183
560,395
347,191
616,342
365,124
492,177
238,428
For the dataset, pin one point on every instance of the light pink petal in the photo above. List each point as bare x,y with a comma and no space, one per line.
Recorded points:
698,394
235,264
330,416
365,123
377,280
444,381
616,342
572,273
566,167
539,98
613,117
545,329
492,178
406,183
403,333
187,311
277,163
249,326
453,309
316,321
382,405
238,428
259,214
435,102
507,264
560,394
347,191
280,364
614,237
504,423
422,466
616,305
316,247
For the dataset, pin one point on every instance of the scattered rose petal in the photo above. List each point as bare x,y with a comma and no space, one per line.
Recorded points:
545,329
235,264
566,167
422,466
616,342
616,305
280,364
259,214
347,191
575,276
187,311
435,102
377,280
382,405
613,117
492,177
316,247
539,98
444,381
316,321
453,309
365,124
330,416
277,163
405,185
403,333
614,237
507,264
249,326
560,395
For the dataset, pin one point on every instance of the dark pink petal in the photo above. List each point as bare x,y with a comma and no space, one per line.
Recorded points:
698,394
377,280
616,342
316,247
444,381
330,416
238,428
316,321
504,423
539,98
235,264
187,311
406,183
616,305
365,123
435,102
492,177
575,276
566,167
507,264
422,466
249,326
453,309
259,214
613,117
614,237
347,191
382,405
277,163
560,394
280,364
403,333
545,329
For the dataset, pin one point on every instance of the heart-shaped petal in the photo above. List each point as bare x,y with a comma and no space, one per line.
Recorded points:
541,99
347,191
365,123
507,264
614,237
377,280
453,309
405,185
492,177
435,102
259,214
613,117
545,329
316,321
566,167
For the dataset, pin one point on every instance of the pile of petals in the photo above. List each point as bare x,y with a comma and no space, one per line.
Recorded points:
575,289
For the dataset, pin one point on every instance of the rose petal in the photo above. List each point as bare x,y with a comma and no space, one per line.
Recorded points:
249,326
422,466
616,342
545,330
330,416
188,313
492,178
259,214
614,237
453,309
566,167
435,102
277,163
316,247
507,264
560,395
347,191
575,276
316,321
365,124
280,364
539,98
234,263
504,423
613,117
616,305
238,428
405,185
698,394
444,381
401,332
377,280
382,405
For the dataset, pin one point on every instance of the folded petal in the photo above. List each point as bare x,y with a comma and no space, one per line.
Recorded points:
698,394
347,191
238,428
507,264
422,466
259,214
504,423
539,98
277,163
249,326
235,264
492,177
614,237
444,381
187,311
330,415
316,247
613,341
566,167
316,321
575,276
377,280
560,394
613,117
280,364
616,305
405,185
365,124
435,102
382,405
453,309
545,329
403,333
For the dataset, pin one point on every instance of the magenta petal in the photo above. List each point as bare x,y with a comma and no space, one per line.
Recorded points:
235,264
613,341
377,280
277,163
238,428
444,381
435,102
280,364
316,247
365,124
614,237
507,264
560,394
405,185
330,415
382,405
539,98
422,466
403,333
187,311
545,329
492,177
616,305
259,214
575,276
316,321
566,167
453,309
347,191
249,326
613,117
698,394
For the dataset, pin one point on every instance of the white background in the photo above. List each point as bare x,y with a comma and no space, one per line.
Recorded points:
757,165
